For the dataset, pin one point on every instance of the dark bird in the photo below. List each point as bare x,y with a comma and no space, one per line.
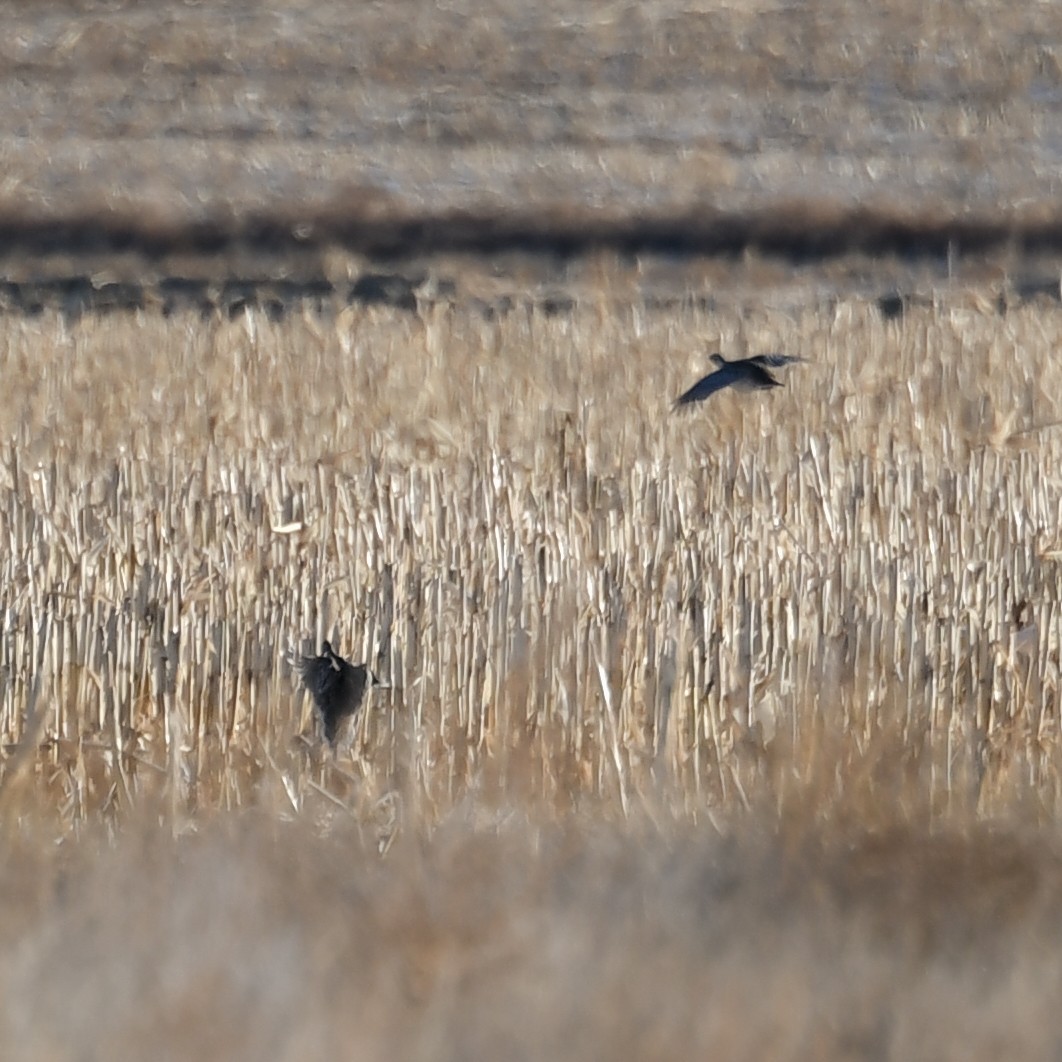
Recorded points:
746,374
337,687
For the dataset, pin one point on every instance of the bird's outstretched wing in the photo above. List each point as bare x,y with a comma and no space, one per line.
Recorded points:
776,361
707,385
320,677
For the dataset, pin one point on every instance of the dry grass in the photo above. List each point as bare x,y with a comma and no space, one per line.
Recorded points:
739,693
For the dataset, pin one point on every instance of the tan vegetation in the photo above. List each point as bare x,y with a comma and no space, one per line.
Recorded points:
506,520
730,734
686,708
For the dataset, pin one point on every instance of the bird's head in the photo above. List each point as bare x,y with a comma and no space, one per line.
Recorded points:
333,658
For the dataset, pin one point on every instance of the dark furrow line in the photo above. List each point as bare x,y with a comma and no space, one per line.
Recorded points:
798,233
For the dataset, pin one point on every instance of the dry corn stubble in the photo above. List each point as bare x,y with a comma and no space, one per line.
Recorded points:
849,582
834,605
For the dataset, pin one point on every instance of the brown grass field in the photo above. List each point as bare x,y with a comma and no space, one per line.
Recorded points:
727,733
734,730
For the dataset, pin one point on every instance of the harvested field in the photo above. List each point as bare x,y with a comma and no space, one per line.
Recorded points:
730,732
771,628
296,138
505,519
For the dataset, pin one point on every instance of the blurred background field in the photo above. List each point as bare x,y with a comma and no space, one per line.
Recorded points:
295,138
732,732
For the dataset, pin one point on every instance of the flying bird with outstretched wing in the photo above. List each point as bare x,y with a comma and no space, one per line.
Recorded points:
745,374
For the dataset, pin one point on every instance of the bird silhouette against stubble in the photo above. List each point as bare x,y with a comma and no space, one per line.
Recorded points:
336,686
745,374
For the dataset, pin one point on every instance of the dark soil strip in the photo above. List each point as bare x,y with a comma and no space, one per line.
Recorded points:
801,233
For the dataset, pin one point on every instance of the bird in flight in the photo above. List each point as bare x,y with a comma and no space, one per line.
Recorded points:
337,687
745,374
